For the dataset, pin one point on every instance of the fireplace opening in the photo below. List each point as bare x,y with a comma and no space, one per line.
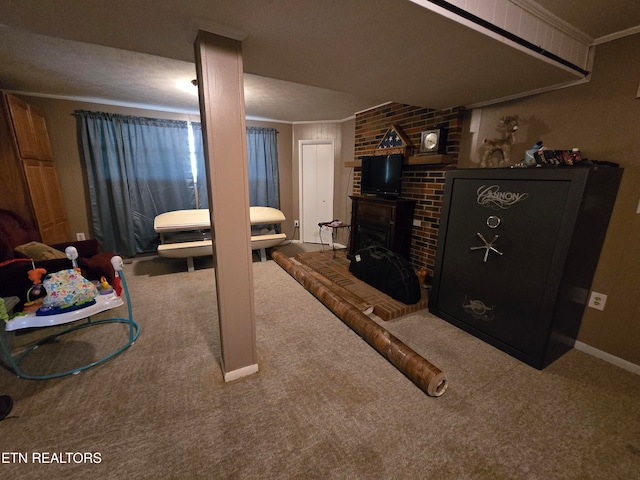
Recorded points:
367,236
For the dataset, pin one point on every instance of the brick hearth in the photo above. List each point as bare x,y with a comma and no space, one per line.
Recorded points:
337,270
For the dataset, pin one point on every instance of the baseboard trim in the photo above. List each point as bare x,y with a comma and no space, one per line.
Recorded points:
240,372
607,357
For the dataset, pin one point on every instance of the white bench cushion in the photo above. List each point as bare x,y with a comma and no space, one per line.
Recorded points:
200,248
182,220
185,220
267,241
266,215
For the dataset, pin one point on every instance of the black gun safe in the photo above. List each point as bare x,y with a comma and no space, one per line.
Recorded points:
516,254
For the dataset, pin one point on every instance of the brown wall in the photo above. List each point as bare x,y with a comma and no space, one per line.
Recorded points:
602,118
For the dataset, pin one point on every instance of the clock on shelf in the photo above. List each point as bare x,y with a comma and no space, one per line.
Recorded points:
434,141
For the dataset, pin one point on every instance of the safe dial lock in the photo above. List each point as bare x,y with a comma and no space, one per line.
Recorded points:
489,246
493,221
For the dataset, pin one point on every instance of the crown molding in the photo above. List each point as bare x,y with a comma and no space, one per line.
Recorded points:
530,93
550,19
615,36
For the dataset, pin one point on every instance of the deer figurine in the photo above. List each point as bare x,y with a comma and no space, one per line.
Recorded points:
508,125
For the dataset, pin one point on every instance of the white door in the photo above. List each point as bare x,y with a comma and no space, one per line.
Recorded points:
316,189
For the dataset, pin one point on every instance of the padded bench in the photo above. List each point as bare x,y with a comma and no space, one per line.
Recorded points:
191,220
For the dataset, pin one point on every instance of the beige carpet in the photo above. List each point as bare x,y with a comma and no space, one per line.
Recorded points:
324,404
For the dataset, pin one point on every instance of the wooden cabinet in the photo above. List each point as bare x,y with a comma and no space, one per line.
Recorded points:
517,252
380,221
30,128
29,180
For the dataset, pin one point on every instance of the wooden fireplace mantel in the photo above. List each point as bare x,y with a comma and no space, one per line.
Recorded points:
428,159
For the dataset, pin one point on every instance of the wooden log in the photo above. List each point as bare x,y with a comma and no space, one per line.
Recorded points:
342,292
420,371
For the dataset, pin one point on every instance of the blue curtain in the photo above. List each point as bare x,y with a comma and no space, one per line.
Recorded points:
201,173
137,168
262,153
262,158
140,167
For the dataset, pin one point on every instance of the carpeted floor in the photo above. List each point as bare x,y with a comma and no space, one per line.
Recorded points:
323,405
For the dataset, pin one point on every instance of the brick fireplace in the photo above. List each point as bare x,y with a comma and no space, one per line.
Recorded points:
422,183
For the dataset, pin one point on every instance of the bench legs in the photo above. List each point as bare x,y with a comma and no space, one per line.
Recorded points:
191,267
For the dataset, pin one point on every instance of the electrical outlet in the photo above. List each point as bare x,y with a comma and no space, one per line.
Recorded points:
80,236
597,300
296,223
417,223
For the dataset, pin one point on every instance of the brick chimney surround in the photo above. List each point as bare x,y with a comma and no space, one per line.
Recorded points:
423,183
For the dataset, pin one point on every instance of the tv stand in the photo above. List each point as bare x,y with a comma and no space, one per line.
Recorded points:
386,222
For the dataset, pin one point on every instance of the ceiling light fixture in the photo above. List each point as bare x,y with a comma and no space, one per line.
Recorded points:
186,86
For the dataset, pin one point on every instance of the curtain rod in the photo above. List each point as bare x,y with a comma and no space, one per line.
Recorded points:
75,114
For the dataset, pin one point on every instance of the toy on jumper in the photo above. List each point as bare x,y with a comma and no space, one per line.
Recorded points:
117,267
36,293
72,254
104,287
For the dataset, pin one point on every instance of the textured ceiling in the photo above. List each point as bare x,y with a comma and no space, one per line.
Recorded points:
304,59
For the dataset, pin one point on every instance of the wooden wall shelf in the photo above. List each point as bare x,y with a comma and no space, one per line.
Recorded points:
432,159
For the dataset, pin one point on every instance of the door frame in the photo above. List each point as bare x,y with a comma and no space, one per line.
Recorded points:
323,141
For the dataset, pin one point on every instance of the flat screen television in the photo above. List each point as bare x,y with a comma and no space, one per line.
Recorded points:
381,175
